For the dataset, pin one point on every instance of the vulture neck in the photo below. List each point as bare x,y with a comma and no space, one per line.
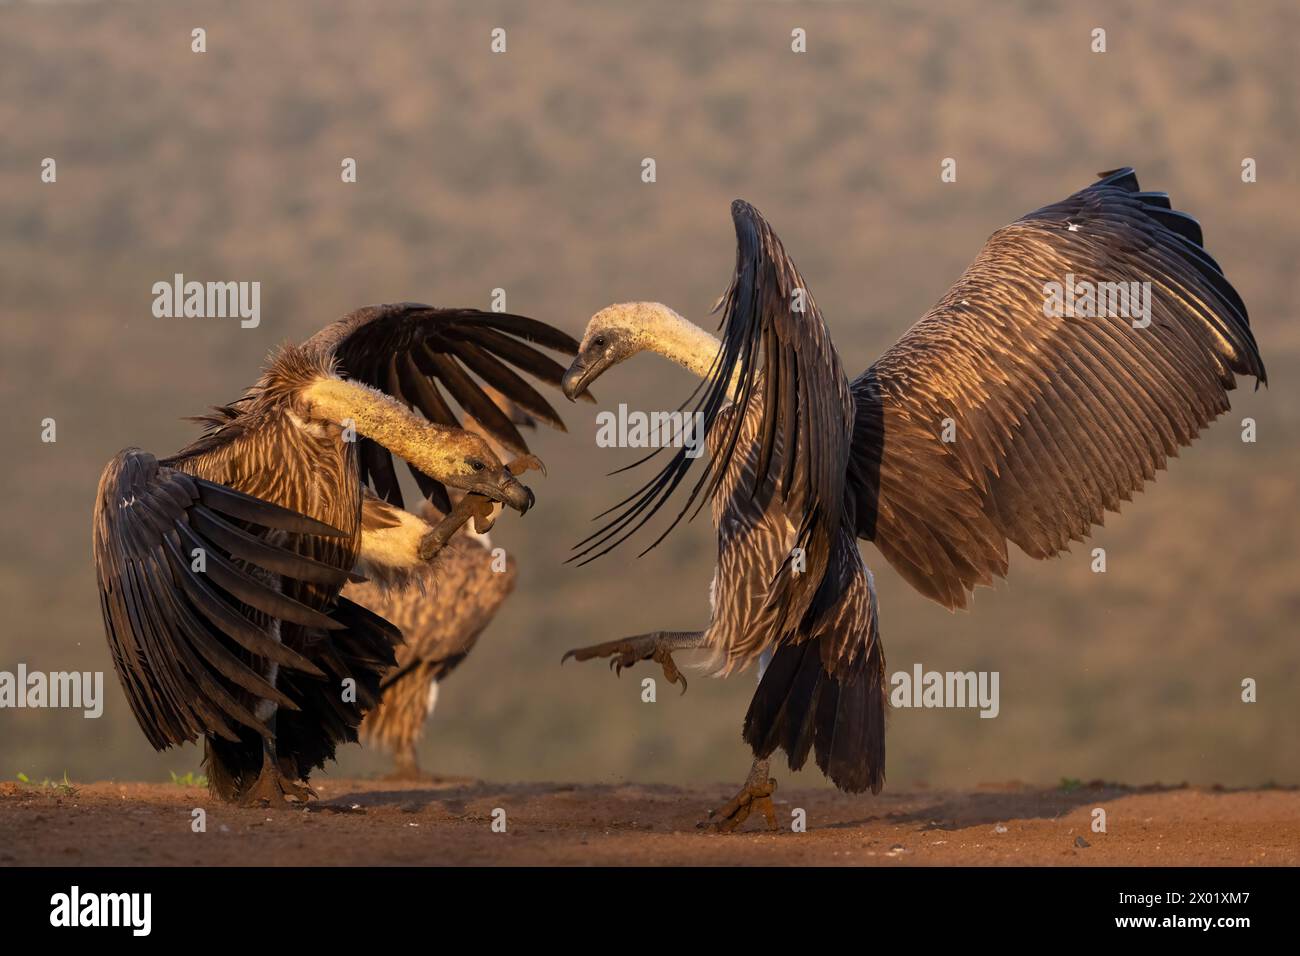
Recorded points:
683,342
430,447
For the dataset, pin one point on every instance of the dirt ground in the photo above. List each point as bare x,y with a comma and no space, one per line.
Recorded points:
450,822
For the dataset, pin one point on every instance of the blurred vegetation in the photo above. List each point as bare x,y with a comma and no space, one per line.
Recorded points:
522,171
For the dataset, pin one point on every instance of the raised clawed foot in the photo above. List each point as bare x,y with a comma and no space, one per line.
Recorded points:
627,651
273,789
523,463
756,794
481,509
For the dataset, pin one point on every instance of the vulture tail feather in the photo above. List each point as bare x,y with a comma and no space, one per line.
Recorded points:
828,693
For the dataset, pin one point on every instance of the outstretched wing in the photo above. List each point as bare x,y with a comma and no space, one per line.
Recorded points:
187,585
995,419
777,362
424,356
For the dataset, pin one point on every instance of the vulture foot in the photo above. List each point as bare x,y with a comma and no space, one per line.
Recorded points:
475,506
756,794
655,646
273,789
523,463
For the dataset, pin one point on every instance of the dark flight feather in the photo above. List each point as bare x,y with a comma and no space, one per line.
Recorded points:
774,343
180,650
1056,420
415,351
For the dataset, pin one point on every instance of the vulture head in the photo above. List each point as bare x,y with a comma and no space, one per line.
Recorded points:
472,465
615,334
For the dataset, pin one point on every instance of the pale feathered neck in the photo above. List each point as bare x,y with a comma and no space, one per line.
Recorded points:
664,331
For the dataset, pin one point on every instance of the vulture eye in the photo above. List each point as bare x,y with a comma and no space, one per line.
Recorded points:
475,464
598,342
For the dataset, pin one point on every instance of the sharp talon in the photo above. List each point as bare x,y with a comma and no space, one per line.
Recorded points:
524,462
625,653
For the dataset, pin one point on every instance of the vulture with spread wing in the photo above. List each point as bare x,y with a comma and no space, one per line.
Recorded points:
1008,414
220,567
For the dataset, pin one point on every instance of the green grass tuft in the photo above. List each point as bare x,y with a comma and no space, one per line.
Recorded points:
189,780
64,786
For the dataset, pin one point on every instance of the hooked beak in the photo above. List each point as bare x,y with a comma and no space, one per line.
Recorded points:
515,494
504,487
579,376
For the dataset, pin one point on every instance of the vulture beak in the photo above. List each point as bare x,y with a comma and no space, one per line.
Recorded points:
503,486
579,376
515,494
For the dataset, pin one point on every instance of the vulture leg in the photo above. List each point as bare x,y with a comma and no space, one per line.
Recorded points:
756,794
483,510
276,783
405,766
407,704
657,646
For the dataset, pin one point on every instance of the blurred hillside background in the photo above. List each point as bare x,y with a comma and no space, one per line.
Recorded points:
522,171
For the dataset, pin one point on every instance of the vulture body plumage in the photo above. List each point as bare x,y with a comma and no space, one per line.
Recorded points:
998,418
442,617
220,568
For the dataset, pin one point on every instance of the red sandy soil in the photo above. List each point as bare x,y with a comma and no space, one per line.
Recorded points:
449,822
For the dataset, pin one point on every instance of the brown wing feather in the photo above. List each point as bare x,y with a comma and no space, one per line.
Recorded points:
1056,420
183,639
417,353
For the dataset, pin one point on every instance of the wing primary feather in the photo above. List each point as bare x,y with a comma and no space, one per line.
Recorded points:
241,544
247,508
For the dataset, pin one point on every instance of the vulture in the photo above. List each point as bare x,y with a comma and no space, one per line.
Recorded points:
1009,414
441,617
220,567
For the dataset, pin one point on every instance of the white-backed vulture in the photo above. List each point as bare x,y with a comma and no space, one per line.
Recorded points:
998,418
220,567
